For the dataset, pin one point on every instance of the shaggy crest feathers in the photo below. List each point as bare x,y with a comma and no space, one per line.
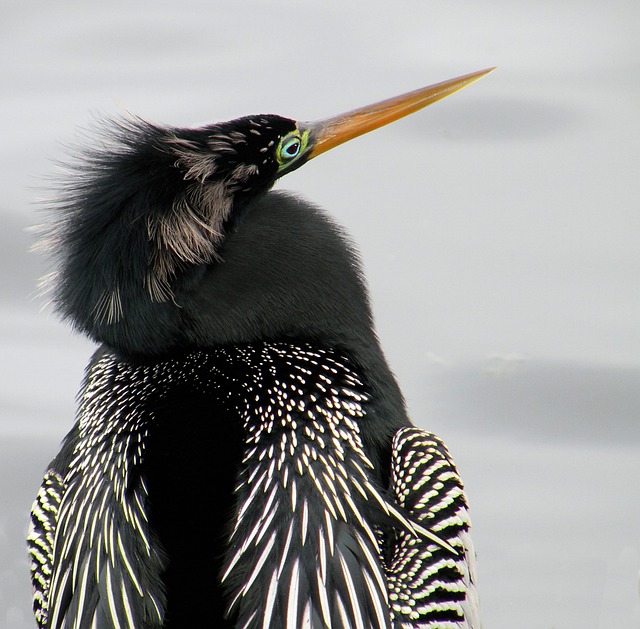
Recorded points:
141,207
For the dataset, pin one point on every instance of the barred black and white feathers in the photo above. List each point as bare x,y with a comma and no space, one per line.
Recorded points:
429,586
40,541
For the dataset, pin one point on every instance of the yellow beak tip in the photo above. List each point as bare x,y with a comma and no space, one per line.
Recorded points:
339,129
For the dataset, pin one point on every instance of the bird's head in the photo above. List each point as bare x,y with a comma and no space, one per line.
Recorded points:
241,157
149,210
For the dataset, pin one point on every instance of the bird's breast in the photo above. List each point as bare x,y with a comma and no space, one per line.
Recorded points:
231,463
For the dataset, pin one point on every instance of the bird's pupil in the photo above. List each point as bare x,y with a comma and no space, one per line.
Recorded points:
293,148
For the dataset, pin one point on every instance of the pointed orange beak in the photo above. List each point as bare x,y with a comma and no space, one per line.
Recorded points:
331,132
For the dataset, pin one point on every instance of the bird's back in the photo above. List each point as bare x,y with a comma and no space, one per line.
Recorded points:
139,521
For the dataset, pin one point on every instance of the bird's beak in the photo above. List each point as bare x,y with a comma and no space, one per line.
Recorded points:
326,134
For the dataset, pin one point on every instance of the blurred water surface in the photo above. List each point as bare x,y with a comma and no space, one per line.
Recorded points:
499,230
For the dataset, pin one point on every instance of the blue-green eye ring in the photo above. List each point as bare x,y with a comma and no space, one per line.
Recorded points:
291,147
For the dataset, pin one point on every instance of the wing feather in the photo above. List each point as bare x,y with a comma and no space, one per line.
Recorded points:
429,586
41,537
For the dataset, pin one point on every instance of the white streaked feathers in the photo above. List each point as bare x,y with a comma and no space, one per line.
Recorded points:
300,449
305,543
307,474
99,556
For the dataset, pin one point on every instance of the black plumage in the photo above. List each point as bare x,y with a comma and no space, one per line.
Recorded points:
242,455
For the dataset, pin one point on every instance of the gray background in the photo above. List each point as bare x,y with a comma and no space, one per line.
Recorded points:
499,230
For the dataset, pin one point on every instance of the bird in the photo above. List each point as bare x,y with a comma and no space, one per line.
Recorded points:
242,455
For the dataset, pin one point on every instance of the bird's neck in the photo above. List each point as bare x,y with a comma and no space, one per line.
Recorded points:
284,272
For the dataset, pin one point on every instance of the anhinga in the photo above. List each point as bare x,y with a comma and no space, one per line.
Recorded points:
242,455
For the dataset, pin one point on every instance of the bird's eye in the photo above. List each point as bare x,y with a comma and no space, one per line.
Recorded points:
290,148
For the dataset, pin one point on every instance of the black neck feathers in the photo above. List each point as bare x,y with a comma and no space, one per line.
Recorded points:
165,237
